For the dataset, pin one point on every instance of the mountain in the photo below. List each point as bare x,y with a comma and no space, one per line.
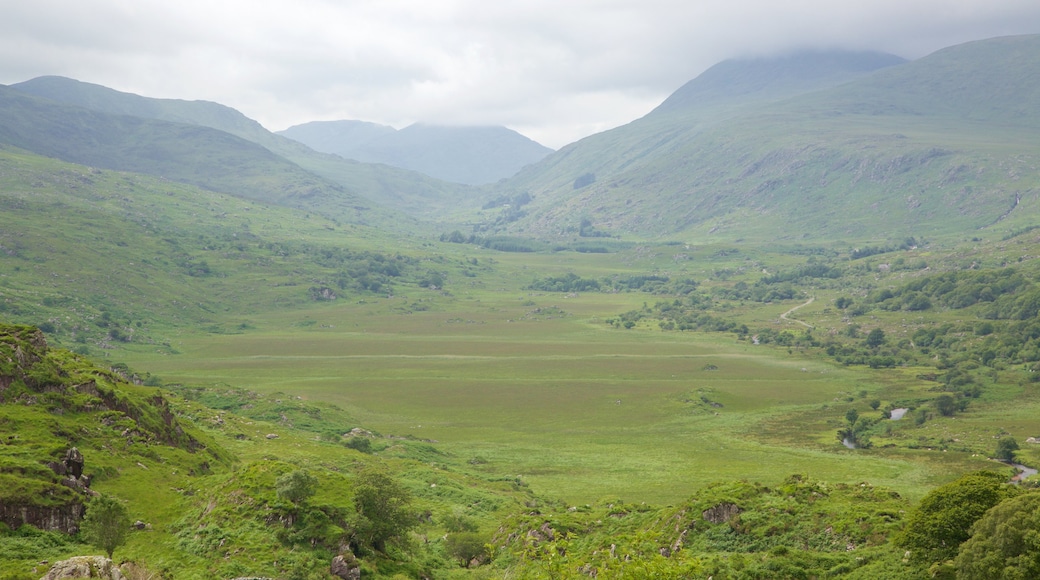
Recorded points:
938,146
406,191
193,154
472,155
719,93
769,79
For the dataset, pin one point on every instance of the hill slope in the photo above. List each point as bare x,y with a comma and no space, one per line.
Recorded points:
939,146
191,154
472,155
99,257
406,191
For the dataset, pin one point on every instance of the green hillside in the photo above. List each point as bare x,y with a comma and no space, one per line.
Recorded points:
901,142
100,257
191,154
406,191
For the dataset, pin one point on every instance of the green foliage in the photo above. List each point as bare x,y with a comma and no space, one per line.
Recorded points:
106,524
946,405
1006,448
362,444
464,546
1004,543
875,338
943,519
851,416
383,506
296,486
569,282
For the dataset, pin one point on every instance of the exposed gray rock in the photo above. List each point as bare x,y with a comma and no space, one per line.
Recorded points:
345,566
73,463
98,567
721,513
61,518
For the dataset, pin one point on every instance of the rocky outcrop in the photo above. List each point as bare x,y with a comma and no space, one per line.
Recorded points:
721,513
85,567
73,463
63,518
345,566
44,511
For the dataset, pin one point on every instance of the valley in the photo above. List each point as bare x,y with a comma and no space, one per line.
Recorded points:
769,342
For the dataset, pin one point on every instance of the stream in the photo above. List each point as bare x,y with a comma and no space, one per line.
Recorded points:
1025,472
897,414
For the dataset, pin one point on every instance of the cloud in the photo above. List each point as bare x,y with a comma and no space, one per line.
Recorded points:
554,70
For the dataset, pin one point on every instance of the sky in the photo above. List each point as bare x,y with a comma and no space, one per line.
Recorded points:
554,70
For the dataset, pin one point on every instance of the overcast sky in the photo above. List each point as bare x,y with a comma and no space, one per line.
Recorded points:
555,70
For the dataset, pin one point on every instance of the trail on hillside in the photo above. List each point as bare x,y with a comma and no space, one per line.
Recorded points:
805,324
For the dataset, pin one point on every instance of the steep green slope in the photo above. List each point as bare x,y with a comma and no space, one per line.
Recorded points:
410,192
69,424
720,93
937,147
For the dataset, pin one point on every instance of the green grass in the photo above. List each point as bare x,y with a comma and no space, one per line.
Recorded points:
539,399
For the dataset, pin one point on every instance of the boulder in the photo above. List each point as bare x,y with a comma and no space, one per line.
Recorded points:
85,567
73,463
345,566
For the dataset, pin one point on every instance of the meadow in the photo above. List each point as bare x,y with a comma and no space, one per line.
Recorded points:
512,383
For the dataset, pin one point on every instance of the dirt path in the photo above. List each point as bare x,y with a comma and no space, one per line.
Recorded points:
805,324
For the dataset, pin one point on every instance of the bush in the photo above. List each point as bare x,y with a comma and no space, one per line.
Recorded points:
464,546
362,444
1006,448
297,486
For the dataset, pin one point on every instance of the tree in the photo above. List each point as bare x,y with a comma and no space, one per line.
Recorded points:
945,405
1006,448
464,546
106,524
383,508
851,416
296,486
876,338
943,519
1004,543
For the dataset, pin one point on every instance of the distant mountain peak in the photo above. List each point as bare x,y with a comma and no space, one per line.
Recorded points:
770,78
463,154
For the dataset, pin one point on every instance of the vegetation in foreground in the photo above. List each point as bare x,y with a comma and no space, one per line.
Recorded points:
248,513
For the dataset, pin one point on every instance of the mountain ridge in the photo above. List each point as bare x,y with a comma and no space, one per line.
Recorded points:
473,155
896,141
404,191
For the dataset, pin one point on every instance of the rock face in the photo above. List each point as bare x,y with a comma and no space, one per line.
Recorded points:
85,567
64,518
346,567
73,463
721,513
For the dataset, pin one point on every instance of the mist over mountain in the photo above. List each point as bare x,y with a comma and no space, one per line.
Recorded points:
940,144
471,155
807,145
405,191
769,79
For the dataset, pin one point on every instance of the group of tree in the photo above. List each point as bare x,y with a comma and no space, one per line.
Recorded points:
977,527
